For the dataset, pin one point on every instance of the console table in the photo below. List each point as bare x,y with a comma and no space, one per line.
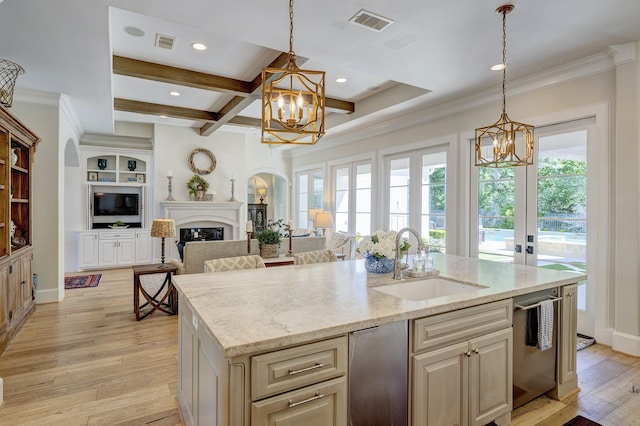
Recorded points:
164,299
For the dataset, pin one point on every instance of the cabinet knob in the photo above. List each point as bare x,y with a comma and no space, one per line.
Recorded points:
468,354
476,351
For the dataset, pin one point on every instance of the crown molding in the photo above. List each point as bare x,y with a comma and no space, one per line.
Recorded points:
116,141
67,109
622,53
585,67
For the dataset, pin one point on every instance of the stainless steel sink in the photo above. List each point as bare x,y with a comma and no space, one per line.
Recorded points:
428,288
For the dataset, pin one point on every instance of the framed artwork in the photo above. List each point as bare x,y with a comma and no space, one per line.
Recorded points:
92,177
140,178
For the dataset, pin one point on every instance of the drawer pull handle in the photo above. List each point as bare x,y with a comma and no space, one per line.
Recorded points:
303,370
304,401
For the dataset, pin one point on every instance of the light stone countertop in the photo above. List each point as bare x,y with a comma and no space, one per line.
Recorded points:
257,310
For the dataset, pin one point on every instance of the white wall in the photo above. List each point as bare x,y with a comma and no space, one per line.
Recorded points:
47,232
236,156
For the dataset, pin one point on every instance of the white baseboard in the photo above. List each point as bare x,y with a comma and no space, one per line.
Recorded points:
47,296
626,343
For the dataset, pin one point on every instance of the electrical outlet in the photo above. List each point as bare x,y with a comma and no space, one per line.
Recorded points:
635,388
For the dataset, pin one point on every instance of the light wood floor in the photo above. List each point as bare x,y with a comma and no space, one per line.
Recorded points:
87,361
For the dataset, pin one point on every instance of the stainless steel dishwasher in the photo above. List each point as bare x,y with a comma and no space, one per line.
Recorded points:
378,375
534,371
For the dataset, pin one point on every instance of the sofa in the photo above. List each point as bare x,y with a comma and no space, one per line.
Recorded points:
195,253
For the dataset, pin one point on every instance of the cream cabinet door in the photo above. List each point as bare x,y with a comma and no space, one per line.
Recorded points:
567,373
490,376
440,386
324,404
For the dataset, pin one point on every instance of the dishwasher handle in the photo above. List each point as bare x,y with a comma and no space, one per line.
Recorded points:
534,305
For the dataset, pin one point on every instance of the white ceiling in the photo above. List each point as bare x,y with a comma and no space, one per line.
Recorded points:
435,51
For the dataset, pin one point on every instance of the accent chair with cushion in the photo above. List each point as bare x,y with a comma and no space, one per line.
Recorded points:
317,256
343,243
251,261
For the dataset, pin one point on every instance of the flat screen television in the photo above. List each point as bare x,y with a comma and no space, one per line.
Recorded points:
115,204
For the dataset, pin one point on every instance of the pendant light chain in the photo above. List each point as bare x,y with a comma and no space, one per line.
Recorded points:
504,60
291,52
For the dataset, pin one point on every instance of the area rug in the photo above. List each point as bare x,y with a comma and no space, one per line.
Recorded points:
82,281
584,341
581,421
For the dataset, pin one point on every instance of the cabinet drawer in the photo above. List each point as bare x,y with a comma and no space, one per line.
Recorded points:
117,235
453,327
292,368
324,403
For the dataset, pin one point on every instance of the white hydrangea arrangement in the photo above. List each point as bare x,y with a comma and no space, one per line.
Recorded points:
381,244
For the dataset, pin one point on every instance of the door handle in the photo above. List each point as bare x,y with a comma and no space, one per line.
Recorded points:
518,248
530,249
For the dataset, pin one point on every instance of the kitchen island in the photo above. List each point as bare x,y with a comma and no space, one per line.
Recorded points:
273,343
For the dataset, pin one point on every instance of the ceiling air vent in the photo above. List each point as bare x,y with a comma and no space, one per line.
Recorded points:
371,20
164,41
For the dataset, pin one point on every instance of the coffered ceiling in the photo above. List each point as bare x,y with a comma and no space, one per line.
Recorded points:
103,54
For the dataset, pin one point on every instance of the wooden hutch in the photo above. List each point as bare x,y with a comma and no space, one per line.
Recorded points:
17,296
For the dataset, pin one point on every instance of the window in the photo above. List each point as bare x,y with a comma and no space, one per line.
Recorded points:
417,195
310,190
352,195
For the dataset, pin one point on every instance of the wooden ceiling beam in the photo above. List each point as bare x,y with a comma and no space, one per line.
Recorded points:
244,92
138,107
238,103
167,74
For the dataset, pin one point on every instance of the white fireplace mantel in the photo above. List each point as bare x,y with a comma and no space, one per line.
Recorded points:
187,212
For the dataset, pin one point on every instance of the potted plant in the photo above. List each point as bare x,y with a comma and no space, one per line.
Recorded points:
197,186
269,239
379,250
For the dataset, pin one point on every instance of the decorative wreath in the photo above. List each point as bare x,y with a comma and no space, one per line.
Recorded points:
209,155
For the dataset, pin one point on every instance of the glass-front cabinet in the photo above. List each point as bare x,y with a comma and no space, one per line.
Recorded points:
17,295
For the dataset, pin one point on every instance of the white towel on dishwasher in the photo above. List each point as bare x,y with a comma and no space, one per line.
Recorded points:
545,325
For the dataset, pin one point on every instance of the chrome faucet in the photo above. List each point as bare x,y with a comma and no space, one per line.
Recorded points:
397,269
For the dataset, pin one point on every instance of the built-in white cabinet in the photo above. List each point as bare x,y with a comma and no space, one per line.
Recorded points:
143,247
88,249
114,248
117,251
462,372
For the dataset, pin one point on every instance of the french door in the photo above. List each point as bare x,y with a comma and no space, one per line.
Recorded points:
537,215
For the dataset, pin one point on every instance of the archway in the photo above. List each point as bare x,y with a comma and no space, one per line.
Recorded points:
271,187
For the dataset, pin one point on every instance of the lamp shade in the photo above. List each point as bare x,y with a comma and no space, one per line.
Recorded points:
163,228
313,212
324,220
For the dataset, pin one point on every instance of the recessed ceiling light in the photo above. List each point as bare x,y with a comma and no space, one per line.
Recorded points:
199,45
174,93
341,80
163,116
134,31
498,67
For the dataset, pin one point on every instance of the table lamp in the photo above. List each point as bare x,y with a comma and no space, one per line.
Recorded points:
163,228
324,220
312,215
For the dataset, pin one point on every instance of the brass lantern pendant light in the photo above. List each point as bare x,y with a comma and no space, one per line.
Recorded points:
292,101
505,143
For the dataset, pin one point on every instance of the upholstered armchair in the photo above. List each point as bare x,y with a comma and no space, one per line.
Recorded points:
251,261
342,243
